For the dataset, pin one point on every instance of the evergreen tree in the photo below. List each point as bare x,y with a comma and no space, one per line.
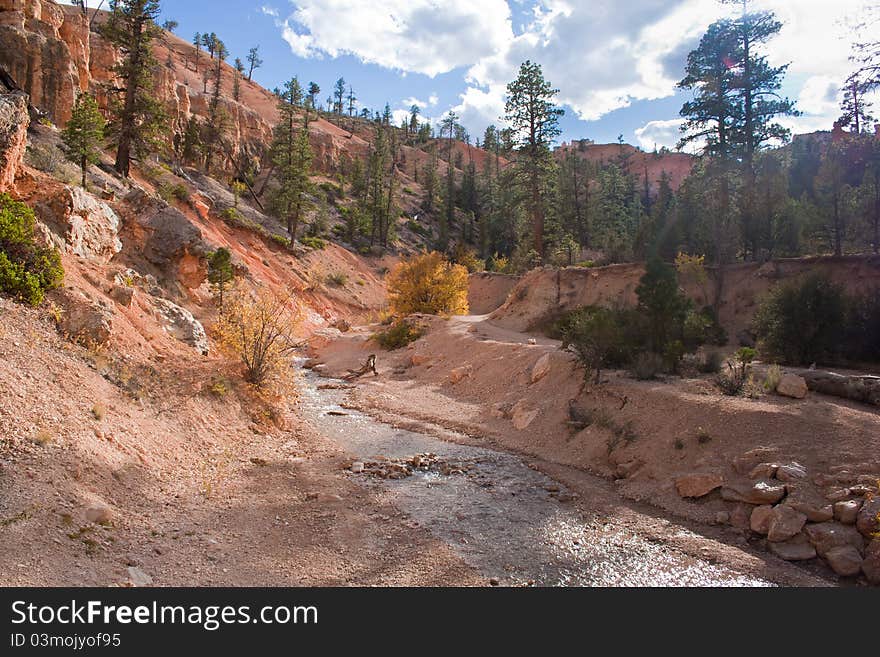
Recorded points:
197,42
236,79
314,90
83,133
855,107
139,119
254,61
534,121
220,272
339,96
192,141
217,118
291,155
351,101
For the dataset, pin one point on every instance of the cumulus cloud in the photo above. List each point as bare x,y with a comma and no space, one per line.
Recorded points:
659,134
603,55
416,36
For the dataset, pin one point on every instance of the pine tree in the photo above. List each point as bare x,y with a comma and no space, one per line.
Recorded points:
855,107
217,118
314,90
236,79
339,96
197,42
291,155
759,103
83,133
139,119
220,272
351,101
254,61
534,121
192,141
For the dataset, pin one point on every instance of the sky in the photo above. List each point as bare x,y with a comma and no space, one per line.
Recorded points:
615,62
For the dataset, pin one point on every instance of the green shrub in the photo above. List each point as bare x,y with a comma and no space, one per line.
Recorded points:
593,335
661,301
280,240
702,327
862,339
313,243
738,372
170,193
774,376
711,363
398,335
803,322
27,270
337,279
647,366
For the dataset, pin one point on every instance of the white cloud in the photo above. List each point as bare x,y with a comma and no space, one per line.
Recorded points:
417,36
269,11
603,55
432,101
657,134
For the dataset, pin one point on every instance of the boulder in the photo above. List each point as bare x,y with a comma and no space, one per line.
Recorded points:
460,373
522,415
815,512
740,516
871,564
123,295
166,238
540,369
760,492
180,323
698,485
844,560
100,514
826,536
868,520
797,548
14,121
744,463
792,385
89,227
138,577
417,360
847,511
784,523
789,472
84,319
760,519
764,471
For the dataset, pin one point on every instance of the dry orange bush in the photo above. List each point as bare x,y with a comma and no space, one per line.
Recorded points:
429,284
258,328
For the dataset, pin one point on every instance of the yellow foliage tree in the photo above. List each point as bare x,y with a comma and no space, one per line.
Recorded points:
429,284
259,329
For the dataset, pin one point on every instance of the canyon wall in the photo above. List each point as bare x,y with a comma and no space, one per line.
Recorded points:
54,54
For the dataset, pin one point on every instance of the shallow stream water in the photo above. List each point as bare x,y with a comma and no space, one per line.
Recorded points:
506,520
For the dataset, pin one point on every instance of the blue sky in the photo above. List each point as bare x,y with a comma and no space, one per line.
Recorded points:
615,63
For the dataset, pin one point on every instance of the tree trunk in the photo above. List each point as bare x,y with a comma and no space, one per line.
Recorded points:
126,131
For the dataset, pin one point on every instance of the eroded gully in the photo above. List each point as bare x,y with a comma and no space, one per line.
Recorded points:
503,518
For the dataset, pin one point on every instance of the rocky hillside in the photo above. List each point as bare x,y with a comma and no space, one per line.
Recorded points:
637,163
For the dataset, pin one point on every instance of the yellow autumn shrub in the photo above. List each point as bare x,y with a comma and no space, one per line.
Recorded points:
258,328
428,284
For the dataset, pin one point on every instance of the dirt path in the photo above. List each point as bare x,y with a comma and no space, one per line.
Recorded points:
518,526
